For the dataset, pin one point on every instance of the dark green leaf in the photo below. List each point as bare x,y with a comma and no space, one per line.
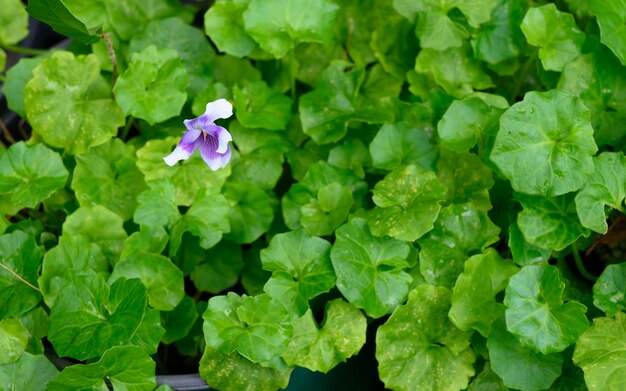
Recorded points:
221,268
536,313
610,289
30,173
259,106
56,14
370,270
162,279
426,354
108,176
67,92
223,23
301,269
30,372
179,321
250,214
401,143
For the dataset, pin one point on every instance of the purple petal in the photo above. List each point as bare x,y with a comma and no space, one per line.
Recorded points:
208,150
177,154
188,141
222,135
198,124
221,108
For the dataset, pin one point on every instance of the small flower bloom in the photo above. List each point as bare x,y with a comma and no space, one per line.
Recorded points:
210,139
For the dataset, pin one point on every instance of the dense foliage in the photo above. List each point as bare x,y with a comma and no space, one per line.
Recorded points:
448,175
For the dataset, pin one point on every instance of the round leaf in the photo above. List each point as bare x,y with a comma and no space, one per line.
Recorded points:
401,143
108,176
545,143
610,290
600,353
408,203
153,86
250,215
418,348
535,311
30,173
13,340
68,103
370,270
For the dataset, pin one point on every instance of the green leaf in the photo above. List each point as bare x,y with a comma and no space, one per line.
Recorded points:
474,304
179,321
257,327
194,50
233,372
13,340
487,380
326,111
407,203
435,29
350,155
370,270
600,353
126,367
508,357
430,354
606,186
149,238
466,178
500,39
153,86
395,45
545,143
259,106
73,257
189,177
162,279
100,226
221,269
30,372
157,205
556,34
250,214
611,16
399,144
465,122
149,332
455,70
279,25
322,215
535,311
609,290
341,335
30,173
223,23
16,78
89,317
131,18
107,175
20,258
460,229
67,92
301,269
13,22
550,223
207,219
56,14
523,252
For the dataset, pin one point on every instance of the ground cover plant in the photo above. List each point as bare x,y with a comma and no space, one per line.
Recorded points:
442,179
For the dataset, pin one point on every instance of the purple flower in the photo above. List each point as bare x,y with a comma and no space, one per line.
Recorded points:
202,133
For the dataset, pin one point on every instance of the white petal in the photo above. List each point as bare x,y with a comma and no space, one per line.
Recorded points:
221,108
223,137
178,154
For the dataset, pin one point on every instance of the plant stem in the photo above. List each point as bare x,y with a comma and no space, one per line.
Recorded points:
581,266
111,51
6,132
522,75
292,71
19,277
23,50
129,124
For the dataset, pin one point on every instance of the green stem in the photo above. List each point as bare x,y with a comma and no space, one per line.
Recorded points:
581,266
522,75
19,277
292,71
129,124
23,50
